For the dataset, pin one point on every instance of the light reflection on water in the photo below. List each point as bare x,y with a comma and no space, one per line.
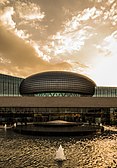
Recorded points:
21,151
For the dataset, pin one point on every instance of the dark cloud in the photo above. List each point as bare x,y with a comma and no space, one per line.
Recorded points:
14,48
22,56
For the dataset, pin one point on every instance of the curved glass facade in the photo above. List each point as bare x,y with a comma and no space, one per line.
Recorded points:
57,82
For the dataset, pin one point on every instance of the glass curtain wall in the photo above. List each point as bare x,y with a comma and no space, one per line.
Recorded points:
81,115
105,92
9,85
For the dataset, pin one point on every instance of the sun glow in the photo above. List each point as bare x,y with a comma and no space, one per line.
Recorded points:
104,73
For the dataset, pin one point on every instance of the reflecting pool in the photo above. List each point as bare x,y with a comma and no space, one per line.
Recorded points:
22,151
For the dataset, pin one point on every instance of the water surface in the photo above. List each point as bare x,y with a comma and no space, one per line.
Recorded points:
22,151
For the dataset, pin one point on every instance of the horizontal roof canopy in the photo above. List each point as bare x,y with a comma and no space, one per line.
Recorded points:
58,102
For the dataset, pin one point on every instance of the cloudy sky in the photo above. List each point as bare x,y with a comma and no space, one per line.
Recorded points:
71,35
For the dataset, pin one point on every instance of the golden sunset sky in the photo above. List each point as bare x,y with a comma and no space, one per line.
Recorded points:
71,35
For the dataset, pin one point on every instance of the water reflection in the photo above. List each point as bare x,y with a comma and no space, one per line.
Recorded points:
81,152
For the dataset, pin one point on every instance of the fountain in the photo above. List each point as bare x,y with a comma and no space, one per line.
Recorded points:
5,126
14,125
60,154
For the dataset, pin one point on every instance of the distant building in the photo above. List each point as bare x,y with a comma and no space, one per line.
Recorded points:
56,95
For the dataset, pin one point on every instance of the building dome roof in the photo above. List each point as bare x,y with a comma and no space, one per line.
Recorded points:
57,81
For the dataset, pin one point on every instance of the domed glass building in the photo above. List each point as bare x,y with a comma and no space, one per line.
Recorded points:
57,83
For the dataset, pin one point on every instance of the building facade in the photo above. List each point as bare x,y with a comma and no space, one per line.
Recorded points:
9,85
105,92
51,96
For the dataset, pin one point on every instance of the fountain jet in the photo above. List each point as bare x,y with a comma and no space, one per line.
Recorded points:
60,154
